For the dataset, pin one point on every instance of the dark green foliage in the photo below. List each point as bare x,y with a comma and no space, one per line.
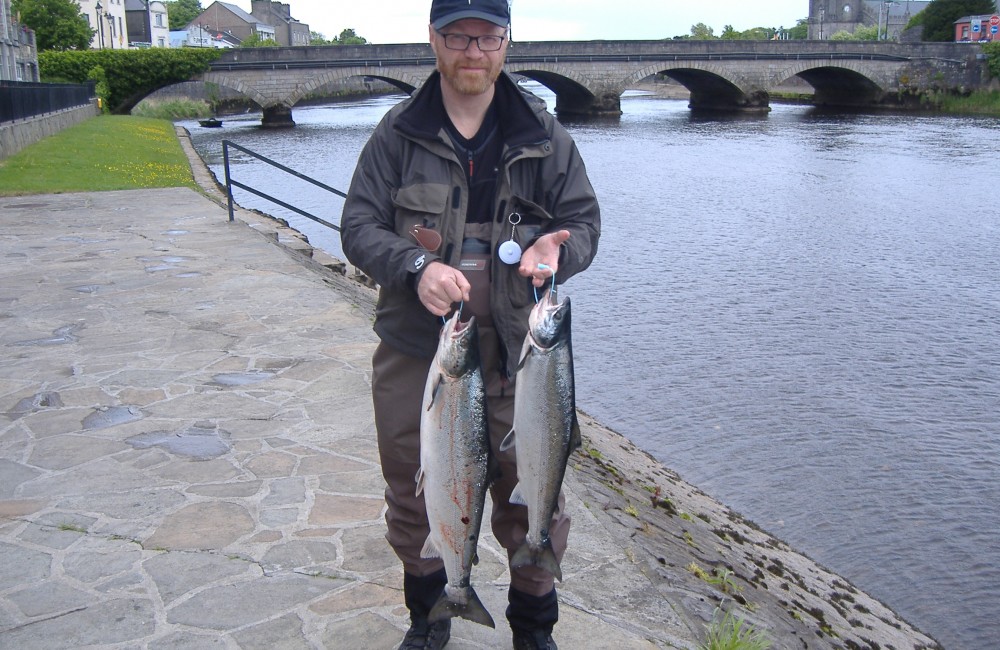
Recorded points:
101,87
130,74
58,24
182,12
939,17
992,51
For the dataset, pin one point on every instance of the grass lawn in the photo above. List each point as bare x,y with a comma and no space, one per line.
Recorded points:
108,152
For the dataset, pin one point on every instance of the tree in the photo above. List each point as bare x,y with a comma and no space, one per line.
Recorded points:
801,30
939,17
861,33
315,38
348,37
58,24
181,12
255,40
702,32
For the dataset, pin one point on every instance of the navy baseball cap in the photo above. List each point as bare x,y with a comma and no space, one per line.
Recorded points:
445,12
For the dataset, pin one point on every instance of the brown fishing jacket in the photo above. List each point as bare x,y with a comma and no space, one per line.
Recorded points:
409,174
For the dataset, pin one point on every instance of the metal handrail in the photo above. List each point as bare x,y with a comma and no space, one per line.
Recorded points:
230,183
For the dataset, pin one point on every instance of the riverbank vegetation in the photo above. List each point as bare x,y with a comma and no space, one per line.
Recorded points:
175,109
109,152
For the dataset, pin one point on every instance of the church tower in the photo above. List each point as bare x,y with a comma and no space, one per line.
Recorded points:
827,17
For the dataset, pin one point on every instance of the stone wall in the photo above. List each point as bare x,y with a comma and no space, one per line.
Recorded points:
17,135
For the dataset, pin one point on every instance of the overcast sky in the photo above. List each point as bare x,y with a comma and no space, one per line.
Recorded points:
405,21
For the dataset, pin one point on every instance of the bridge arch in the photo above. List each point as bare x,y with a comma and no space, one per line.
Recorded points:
406,82
573,97
712,87
840,83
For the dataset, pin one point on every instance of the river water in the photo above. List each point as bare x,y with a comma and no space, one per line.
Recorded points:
798,312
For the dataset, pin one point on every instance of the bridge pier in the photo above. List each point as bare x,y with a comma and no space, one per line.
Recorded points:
277,117
608,104
757,102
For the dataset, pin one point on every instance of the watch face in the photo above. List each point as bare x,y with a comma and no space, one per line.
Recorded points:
847,9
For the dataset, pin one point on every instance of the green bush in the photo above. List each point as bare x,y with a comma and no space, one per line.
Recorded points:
130,74
992,51
173,109
101,88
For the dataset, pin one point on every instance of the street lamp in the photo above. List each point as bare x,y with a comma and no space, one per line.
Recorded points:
879,34
100,24
111,28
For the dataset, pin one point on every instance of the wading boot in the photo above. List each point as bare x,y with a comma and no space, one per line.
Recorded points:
534,640
420,593
532,619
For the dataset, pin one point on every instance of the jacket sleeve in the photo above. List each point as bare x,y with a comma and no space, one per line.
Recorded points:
367,226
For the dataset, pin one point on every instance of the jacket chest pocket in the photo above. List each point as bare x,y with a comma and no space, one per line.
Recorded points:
419,206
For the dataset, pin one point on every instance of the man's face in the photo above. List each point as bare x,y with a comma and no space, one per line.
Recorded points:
470,71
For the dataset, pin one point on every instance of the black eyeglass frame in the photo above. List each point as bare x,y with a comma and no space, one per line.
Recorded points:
451,36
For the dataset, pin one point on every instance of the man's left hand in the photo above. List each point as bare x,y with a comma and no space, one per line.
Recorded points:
541,261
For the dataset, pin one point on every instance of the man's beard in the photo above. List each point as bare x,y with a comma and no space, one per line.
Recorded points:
474,83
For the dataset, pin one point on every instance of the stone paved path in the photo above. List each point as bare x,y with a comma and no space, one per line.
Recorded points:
187,455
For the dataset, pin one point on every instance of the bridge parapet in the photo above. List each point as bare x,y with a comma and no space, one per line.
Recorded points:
588,77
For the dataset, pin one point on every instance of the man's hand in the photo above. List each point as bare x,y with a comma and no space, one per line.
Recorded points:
441,286
544,252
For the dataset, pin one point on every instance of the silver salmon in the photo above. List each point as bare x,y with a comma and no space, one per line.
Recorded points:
545,429
456,466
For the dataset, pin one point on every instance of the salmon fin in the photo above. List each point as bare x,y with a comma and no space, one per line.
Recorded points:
575,438
525,353
419,478
540,556
430,549
471,610
517,497
508,441
436,387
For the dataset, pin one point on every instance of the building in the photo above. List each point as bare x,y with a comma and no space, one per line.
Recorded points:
198,36
18,54
975,29
107,19
827,17
226,18
147,23
287,30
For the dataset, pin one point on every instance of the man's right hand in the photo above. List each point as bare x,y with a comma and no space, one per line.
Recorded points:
441,286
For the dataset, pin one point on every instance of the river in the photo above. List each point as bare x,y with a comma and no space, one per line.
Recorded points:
797,312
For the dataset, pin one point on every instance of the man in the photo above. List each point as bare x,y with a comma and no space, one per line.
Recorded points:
467,193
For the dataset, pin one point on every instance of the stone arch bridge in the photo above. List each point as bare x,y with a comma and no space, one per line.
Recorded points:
589,77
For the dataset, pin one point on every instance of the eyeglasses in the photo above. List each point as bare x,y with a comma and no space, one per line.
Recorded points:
461,42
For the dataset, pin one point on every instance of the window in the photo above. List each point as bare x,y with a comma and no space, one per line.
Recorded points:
159,20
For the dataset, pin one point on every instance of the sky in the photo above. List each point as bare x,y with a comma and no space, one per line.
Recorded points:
405,21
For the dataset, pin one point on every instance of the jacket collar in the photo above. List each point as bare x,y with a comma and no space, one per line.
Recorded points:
520,123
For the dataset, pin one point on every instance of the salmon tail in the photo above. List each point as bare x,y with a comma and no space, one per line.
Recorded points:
471,610
540,556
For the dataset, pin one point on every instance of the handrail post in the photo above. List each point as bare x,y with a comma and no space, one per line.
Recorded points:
229,185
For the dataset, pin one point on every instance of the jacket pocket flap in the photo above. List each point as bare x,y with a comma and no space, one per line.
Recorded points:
424,197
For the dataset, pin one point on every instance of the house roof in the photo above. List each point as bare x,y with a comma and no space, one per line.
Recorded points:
242,15
968,19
